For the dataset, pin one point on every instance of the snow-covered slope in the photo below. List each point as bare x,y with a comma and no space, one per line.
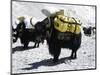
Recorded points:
39,59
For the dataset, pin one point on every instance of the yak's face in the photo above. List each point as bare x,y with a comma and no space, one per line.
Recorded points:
43,26
20,29
40,28
17,32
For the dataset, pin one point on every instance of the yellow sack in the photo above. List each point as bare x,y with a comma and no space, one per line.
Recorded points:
67,24
21,18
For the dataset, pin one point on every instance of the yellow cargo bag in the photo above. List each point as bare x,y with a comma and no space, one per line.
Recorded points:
67,24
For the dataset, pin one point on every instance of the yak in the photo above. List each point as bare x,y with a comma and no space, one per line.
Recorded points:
89,30
71,40
25,35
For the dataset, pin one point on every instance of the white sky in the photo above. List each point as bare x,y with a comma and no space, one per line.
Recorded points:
30,9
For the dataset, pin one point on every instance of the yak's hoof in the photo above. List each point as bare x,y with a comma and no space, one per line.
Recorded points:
25,47
55,60
71,57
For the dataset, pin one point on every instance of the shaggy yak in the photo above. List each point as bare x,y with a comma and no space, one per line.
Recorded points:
89,30
56,42
25,35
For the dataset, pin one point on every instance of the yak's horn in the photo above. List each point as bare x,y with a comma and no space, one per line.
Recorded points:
31,22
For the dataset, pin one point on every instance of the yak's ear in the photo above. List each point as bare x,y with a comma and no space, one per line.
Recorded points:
46,12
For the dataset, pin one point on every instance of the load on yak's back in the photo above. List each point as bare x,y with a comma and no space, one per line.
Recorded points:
64,23
67,24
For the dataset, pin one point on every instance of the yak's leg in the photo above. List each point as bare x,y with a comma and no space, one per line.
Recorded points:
15,37
54,50
38,44
56,54
35,45
73,54
26,44
75,46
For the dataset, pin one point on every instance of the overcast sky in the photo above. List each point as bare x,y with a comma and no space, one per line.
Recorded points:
85,13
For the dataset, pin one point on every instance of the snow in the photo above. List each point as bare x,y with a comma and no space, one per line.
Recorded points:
39,59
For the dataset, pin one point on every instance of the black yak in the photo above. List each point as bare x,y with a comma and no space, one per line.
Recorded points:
57,40
25,35
88,31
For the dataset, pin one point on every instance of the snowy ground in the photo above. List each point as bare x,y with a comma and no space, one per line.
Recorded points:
39,59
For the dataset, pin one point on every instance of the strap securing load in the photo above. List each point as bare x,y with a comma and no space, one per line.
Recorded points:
67,24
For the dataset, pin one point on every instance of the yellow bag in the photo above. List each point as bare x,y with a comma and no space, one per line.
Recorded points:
67,24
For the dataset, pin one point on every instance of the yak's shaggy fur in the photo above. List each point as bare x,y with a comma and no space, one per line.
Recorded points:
72,41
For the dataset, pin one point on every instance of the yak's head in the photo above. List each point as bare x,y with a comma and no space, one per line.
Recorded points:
40,30
44,27
18,31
